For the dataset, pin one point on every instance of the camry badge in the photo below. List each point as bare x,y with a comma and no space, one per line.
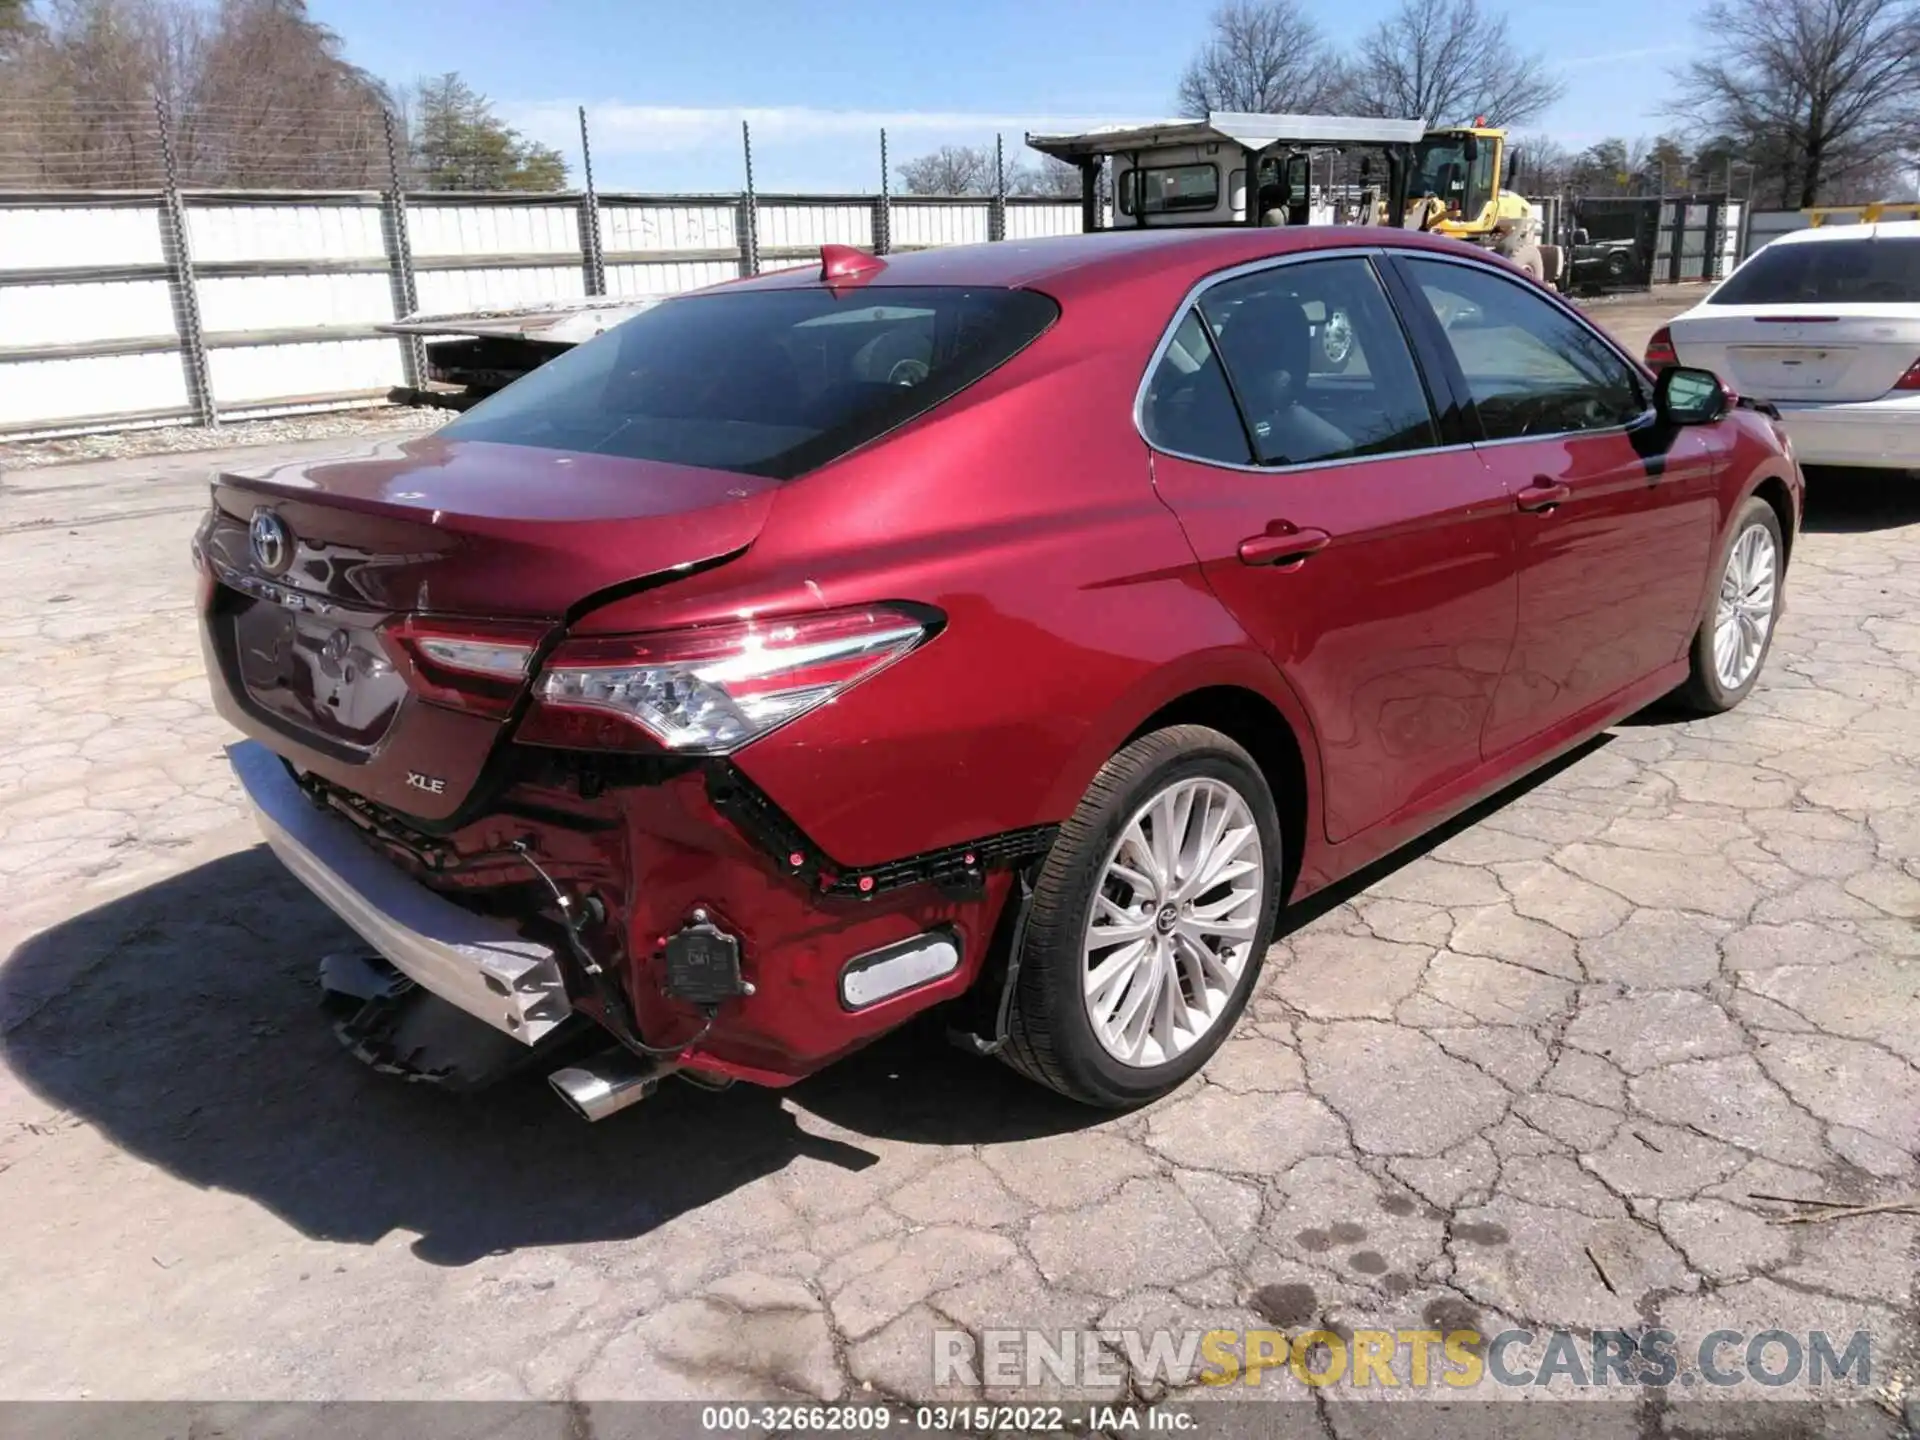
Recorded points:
270,541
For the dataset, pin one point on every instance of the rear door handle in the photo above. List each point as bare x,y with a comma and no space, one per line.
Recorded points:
1543,494
1281,543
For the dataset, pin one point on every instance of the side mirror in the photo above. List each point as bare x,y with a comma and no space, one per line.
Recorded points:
1513,169
1689,397
1581,237
1470,148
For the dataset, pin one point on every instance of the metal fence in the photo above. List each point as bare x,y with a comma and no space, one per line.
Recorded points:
159,307
1637,242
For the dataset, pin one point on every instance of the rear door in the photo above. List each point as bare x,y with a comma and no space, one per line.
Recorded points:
1370,558
1612,514
1818,320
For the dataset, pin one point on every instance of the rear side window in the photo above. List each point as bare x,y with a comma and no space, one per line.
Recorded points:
1319,363
1832,272
762,382
1189,410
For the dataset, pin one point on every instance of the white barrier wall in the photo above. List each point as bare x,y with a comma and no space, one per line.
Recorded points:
102,315
86,315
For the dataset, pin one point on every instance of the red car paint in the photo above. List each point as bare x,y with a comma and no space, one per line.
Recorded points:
1441,641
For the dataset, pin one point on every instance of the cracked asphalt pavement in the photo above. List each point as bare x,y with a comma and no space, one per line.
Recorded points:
1532,1073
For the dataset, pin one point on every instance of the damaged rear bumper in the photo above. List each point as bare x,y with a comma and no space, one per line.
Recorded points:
482,965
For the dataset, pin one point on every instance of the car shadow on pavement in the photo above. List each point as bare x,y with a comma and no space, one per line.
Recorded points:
1851,502
183,1022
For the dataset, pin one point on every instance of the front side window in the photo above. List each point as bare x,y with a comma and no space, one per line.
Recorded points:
1319,363
1169,189
1829,272
763,382
1531,368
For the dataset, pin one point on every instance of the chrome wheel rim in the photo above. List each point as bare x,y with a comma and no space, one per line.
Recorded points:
1336,341
1744,617
1171,929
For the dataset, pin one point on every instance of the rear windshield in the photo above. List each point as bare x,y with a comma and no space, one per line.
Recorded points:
764,382
1835,272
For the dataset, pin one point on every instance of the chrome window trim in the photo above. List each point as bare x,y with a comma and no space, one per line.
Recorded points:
1366,252
1343,461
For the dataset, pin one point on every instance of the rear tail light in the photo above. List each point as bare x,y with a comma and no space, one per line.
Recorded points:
1660,351
710,690
474,665
1910,380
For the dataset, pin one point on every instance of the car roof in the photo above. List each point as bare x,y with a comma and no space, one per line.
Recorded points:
1084,264
1878,230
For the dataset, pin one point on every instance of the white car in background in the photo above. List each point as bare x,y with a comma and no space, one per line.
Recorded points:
1825,324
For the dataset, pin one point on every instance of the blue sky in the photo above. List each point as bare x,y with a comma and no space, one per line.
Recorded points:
667,82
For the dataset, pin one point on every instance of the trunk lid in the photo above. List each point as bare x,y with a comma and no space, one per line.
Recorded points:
466,527
320,566
1832,353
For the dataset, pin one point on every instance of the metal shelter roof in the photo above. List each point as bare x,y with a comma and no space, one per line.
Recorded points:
1255,132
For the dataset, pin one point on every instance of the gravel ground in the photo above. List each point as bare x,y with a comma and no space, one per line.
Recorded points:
1541,1070
186,439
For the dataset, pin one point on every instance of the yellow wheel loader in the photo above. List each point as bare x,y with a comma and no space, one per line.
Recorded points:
1459,187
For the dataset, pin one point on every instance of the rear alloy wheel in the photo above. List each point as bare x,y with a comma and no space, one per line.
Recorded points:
1149,921
1731,647
1336,342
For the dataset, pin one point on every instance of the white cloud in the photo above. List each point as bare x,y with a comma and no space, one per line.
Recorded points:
1650,52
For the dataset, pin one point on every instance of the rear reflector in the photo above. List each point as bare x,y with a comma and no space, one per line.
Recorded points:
473,665
710,690
881,974
1660,351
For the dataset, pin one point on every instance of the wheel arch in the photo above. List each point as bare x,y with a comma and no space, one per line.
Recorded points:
1773,490
1259,727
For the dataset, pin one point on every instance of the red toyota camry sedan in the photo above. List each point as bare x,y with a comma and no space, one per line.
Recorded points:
1017,628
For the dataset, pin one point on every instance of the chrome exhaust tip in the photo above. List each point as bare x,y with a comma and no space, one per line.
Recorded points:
607,1084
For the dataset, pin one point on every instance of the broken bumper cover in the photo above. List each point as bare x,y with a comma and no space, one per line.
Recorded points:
482,965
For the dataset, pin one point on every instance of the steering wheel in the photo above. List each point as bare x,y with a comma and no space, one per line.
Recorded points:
907,373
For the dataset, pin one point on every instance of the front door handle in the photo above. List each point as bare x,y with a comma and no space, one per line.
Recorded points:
1282,542
1543,494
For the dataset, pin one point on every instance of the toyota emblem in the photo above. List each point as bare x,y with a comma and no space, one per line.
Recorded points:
271,543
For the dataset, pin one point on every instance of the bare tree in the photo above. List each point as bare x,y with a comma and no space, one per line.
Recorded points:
950,170
1264,57
1545,164
1447,62
1050,177
256,91
1815,92
270,101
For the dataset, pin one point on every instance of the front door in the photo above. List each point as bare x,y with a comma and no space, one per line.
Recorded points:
1613,513
1373,562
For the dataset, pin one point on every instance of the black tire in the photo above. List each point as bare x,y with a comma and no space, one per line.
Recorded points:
1050,1034
1704,692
